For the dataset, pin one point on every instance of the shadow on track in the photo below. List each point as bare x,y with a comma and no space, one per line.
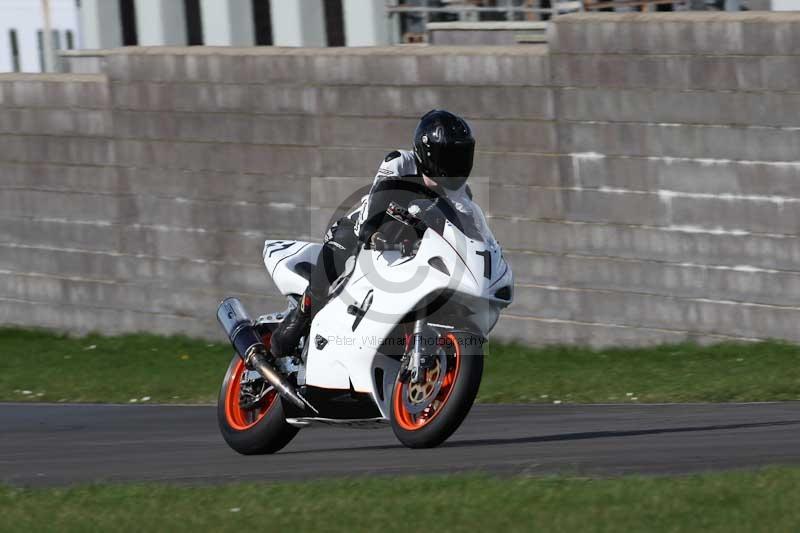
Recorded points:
611,434
566,436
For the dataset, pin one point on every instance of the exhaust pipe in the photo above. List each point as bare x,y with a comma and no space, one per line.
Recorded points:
248,345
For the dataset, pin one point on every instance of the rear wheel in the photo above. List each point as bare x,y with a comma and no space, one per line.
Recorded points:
250,413
425,414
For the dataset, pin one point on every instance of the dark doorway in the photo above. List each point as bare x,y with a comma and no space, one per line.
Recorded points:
492,15
14,42
262,22
40,44
334,22
194,22
127,15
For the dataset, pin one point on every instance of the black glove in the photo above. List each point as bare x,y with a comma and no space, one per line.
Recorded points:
378,242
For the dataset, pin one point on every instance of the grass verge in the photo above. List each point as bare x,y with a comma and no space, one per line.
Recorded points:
729,502
43,366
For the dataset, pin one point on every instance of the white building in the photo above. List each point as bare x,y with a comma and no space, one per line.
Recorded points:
91,24
21,32
111,23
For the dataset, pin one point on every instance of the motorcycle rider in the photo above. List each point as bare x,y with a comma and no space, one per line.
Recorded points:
437,167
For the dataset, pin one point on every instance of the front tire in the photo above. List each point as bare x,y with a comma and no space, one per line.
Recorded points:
419,424
253,430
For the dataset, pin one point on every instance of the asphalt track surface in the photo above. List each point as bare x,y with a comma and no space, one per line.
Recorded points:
68,444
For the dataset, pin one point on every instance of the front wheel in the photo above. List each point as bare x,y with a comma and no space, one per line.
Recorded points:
425,414
250,413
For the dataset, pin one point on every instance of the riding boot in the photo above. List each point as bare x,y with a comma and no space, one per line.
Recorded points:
289,332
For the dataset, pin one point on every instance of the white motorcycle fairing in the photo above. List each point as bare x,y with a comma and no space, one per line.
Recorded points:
349,336
289,263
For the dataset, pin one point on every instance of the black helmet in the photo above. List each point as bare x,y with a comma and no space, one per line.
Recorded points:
444,148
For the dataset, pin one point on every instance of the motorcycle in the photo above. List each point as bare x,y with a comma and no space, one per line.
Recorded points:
399,341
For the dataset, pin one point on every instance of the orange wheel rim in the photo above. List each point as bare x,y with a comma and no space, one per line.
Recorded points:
412,422
238,418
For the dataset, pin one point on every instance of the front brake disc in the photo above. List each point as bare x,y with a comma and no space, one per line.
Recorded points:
418,396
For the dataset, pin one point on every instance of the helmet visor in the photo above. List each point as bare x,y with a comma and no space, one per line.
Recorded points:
454,162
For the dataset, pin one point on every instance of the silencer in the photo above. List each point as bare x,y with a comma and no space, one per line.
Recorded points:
238,326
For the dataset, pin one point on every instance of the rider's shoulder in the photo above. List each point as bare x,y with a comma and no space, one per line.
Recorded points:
398,163
391,156
401,156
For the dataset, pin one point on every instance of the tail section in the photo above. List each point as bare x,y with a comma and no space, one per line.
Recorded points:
289,263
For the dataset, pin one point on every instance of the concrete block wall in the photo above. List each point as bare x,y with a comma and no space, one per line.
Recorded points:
642,174
140,208
678,183
100,229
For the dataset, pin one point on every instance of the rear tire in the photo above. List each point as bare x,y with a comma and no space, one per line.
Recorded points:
450,405
256,431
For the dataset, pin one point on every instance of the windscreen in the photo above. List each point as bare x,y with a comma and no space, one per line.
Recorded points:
468,218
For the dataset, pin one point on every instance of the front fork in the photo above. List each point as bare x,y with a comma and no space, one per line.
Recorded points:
423,350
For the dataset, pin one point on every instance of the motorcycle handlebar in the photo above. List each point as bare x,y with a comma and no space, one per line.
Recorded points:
401,214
